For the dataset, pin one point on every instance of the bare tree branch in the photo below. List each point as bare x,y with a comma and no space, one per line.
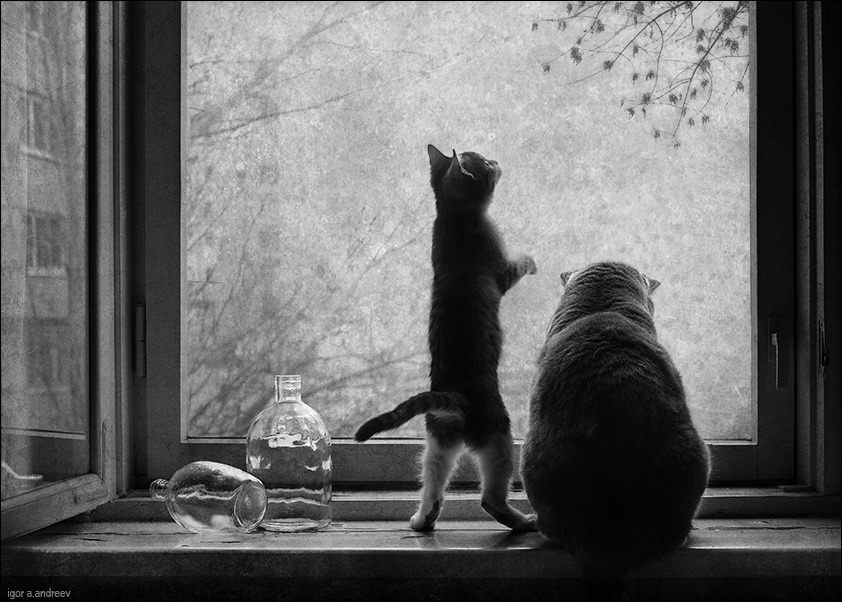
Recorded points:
651,38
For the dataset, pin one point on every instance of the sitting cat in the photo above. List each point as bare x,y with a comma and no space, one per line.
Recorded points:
471,273
612,464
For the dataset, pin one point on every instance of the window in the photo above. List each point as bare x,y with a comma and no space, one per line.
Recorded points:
58,302
44,242
317,261
38,124
133,115
49,359
35,18
763,453
43,44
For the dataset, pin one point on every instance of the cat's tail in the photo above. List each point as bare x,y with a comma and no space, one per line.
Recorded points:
447,404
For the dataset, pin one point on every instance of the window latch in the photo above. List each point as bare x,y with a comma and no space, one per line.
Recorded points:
140,341
779,351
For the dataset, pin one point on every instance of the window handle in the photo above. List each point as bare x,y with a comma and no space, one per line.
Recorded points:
780,342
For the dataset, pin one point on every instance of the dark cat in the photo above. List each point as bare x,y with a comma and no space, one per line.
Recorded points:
471,273
612,464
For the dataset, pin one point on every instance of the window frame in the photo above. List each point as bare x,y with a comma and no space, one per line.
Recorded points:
56,501
392,463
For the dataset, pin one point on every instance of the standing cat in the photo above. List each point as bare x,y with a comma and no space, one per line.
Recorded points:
612,464
471,273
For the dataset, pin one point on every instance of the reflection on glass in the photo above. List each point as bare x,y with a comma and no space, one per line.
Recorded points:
309,211
44,245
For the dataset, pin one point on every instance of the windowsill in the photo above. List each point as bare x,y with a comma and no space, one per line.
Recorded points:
768,559
718,502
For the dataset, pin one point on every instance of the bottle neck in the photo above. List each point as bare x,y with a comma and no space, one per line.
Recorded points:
158,489
287,389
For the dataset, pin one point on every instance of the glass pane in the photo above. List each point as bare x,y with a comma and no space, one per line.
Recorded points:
309,210
45,257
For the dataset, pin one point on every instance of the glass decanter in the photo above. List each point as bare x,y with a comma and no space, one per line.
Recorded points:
209,496
288,449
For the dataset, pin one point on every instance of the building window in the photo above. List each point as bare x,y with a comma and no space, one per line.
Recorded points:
47,355
45,242
38,129
35,18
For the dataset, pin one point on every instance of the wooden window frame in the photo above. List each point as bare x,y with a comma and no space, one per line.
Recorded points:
784,452
56,501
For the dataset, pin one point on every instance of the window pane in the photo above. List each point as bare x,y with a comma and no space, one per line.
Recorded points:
44,249
309,211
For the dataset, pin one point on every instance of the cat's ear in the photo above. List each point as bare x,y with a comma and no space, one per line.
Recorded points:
456,167
565,277
437,158
653,284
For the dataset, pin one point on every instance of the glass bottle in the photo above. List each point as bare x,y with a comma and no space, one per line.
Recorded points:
209,496
288,448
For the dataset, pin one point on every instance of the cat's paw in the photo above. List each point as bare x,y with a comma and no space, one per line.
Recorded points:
527,264
511,518
522,523
529,523
425,519
421,523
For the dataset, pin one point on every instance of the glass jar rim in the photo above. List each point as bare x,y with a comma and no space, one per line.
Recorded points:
287,382
288,378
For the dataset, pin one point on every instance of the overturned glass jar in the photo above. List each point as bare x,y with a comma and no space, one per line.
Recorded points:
212,497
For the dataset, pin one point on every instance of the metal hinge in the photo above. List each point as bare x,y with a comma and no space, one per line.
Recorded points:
140,340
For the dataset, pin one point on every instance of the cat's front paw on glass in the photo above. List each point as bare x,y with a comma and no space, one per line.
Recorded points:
527,265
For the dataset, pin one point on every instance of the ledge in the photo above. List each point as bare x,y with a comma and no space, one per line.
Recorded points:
718,502
769,559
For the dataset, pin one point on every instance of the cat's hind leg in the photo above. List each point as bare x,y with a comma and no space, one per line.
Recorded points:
496,465
439,460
